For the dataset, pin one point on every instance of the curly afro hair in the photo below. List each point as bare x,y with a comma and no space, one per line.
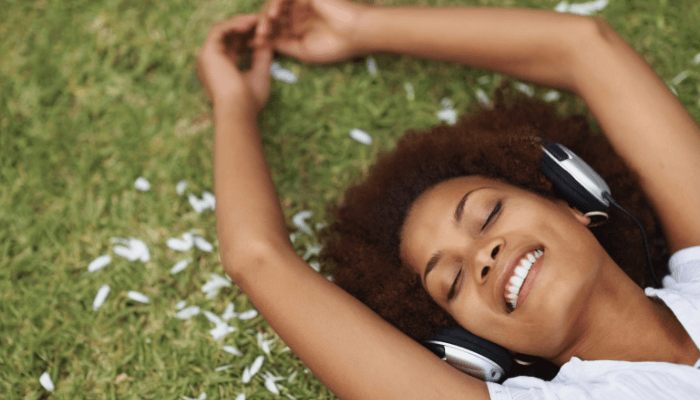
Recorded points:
361,244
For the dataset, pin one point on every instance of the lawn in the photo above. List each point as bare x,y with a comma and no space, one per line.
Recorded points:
95,94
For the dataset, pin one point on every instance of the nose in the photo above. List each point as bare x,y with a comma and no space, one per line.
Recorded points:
485,259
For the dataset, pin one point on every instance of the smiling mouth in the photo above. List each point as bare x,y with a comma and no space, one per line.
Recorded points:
519,275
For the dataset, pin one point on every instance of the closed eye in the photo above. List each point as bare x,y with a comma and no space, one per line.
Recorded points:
451,293
494,213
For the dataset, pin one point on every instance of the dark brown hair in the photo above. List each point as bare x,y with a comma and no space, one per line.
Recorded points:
361,245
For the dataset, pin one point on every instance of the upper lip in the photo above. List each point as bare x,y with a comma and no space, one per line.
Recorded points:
507,267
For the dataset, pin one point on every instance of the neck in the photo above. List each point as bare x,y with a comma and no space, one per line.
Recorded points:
621,323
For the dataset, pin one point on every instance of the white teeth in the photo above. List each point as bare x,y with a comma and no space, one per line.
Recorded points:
521,271
519,275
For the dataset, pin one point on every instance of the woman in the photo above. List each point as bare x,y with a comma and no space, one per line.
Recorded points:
587,310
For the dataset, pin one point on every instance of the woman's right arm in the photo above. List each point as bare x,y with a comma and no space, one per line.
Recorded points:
646,125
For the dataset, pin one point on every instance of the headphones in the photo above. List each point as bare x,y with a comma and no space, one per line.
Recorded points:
583,188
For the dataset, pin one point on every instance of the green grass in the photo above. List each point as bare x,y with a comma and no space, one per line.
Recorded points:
94,94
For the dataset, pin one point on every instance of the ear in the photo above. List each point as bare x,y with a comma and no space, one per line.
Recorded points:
586,221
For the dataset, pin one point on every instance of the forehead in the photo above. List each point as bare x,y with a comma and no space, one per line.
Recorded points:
433,212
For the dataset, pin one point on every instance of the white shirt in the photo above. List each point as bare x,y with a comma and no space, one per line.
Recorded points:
622,380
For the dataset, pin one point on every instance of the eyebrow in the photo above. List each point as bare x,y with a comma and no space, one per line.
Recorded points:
459,211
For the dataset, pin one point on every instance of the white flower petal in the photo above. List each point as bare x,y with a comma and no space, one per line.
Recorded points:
181,187
588,8
271,386
679,78
99,263
187,313
221,330
447,115
214,285
179,266
202,396
551,96
246,375
203,244
696,59
315,265
213,318
183,243
138,297
46,382
100,297
180,305
372,66
232,350
282,74
313,250
256,365
142,184
246,315
131,249
241,396
229,312
299,220
482,97
361,136
525,88
223,367
410,91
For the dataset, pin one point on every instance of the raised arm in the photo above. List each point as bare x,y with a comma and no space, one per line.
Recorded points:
646,124
353,351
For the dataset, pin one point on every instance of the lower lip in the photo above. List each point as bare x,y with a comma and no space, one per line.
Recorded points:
529,281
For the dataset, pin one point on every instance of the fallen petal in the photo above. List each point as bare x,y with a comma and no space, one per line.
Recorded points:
214,285
180,305
180,188
679,78
241,396
246,315
138,297
525,88
361,136
187,313
100,297
246,375
551,96
220,331
448,115
183,243
232,350
99,263
46,382
271,386
482,97
410,91
223,367
213,318
229,312
203,244
142,184
131,249
313,250
282,74
696,59
299,220
372,66
256,365
582,8
179,266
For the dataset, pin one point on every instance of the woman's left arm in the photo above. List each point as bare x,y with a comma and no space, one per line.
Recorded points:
351,349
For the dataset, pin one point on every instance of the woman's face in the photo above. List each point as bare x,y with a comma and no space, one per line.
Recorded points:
467,237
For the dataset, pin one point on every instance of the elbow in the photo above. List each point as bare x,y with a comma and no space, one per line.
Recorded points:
240,260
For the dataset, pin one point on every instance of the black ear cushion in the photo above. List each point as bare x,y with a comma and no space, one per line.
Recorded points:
459,336
569,188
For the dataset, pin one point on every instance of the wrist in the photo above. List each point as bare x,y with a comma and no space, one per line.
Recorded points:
366,38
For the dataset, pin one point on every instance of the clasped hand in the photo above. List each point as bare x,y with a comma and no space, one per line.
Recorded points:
317,31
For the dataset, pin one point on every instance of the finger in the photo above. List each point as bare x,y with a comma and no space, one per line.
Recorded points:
275,8
239,23
262,58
